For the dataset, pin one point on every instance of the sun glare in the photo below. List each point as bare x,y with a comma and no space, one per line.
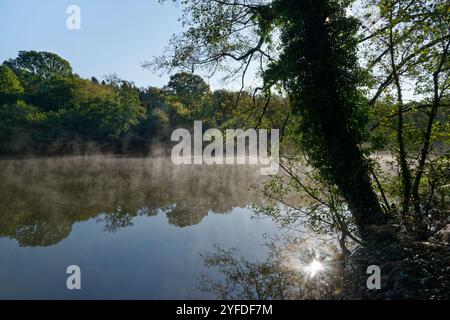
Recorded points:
314,268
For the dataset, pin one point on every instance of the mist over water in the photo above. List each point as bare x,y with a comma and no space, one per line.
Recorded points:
135,226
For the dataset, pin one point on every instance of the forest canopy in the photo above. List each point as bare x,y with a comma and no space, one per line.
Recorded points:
46,108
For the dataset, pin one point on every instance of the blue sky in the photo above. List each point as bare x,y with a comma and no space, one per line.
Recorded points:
115,36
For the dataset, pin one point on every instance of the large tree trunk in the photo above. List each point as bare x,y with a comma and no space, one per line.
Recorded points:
325,97
349,169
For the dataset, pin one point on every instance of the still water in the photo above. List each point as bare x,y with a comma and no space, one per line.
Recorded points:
135,226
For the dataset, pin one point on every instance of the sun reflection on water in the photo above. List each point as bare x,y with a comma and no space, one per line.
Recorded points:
314,268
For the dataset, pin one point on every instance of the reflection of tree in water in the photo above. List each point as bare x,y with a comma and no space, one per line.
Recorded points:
285,274
120,218
42,233
185,216
41,199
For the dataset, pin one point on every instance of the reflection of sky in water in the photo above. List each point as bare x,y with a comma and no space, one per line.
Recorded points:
54,210
150,259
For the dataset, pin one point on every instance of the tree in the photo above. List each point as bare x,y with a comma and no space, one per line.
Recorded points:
187,95
10,86
47,79
103,114
18,122
41,64
409,43
58,112
187,87
316,64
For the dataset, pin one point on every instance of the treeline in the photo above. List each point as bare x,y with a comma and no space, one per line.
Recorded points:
47,109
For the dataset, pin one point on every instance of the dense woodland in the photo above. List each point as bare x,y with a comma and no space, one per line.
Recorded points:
47,109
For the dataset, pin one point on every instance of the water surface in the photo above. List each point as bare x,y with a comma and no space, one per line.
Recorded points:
135,226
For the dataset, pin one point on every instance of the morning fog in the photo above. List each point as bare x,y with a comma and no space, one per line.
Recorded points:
236,146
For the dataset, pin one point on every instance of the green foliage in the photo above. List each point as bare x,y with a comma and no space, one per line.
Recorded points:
10,85
188,88
57,112
18,122
40,64
57,107
187,96
324,57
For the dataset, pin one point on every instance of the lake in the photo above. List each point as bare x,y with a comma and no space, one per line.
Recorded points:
135,226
